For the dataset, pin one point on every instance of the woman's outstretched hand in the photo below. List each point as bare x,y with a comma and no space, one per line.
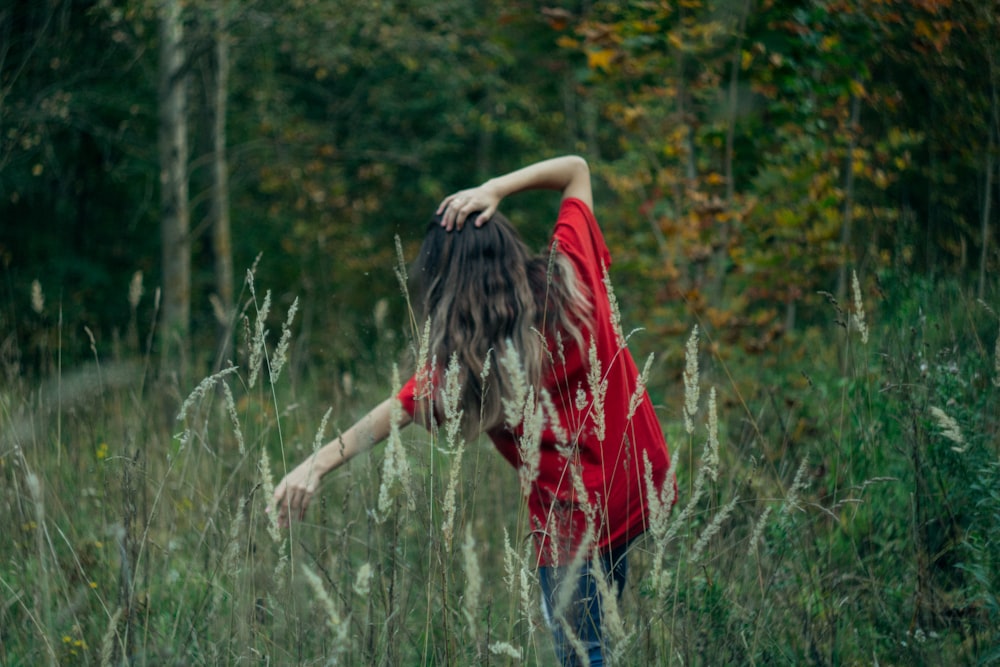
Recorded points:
456,208
293,495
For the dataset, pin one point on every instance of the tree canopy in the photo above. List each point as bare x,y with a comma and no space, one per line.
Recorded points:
747,152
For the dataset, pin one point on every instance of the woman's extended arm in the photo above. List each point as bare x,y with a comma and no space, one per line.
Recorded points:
293,495
569,174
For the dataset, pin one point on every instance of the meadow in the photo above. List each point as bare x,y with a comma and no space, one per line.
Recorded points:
839,504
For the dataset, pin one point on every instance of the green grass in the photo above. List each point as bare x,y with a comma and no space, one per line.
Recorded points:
876,533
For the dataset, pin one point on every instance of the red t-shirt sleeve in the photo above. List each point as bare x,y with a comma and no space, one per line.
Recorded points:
579,237
407,396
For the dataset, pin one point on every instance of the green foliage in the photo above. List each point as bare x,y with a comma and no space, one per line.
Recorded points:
747,156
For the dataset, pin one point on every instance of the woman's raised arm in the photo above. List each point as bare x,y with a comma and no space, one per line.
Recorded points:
568,174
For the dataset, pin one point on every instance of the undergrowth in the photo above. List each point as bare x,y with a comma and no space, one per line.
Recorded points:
839,504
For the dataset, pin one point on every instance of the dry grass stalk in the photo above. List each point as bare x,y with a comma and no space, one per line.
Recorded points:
257,344
949,428
691,387
200,391
455,444
112,644
996,363
281,352
598,387
712,530
395,466
758,530
135,290
514,405
339,625
505,649
616,316
858,316
37,297
234,418
473,583
363,580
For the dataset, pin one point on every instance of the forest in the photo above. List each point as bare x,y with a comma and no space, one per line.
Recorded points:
207,208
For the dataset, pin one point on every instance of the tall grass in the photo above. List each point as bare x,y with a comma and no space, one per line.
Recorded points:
838,505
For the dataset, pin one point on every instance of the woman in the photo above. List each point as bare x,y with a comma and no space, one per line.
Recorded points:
560,400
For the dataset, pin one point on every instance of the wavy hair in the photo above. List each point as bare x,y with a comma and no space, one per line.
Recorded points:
483,290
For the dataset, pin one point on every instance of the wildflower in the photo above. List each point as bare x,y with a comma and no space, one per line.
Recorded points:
37,298
102,451
949,428
691,389
858,317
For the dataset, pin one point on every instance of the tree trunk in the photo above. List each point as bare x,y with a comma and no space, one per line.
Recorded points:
987,200
991,149
219,212
174,212
721,253
848,210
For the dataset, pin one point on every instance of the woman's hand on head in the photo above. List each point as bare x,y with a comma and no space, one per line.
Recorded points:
456,208
293,495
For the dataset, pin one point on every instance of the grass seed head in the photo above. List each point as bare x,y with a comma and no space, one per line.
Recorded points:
858,316
37,297
692,391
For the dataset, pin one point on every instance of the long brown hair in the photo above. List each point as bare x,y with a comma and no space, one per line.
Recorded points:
484,290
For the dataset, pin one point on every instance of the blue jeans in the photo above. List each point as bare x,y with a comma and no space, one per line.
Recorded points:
583,615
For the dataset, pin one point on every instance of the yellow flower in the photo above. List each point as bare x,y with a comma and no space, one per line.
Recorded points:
93,584
102,451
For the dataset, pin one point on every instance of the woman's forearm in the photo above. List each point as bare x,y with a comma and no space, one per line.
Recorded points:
368,431
293,495
559,173
569,174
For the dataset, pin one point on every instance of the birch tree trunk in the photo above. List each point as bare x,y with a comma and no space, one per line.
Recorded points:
219,211
174,212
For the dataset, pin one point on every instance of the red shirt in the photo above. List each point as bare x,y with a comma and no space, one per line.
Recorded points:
609,460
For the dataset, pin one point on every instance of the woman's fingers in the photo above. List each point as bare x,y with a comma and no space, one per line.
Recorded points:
456,208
